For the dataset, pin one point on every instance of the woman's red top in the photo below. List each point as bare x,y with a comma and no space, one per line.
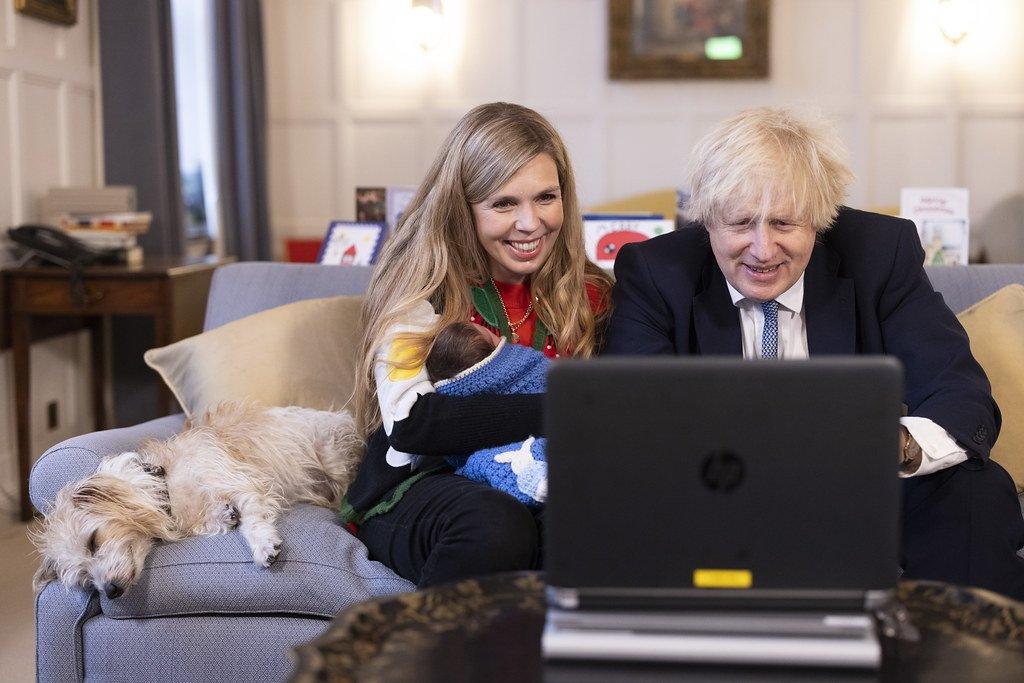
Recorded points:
517,299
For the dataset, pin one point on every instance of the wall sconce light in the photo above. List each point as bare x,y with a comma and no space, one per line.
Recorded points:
956,18
426,23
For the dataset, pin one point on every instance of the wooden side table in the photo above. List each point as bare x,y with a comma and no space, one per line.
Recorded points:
172,291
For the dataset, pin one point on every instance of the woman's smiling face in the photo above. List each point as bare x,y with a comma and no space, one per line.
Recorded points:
518,224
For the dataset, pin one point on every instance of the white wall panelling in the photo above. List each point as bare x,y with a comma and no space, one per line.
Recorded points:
559,39
302,177
1005,172
80,126
379,71
912,108
7,188
310,74
483,58
584,138
49,135
909,150
375,143
50,81
42,153
1000,200
671,136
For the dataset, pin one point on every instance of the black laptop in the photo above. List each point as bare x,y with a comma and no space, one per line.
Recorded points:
711,496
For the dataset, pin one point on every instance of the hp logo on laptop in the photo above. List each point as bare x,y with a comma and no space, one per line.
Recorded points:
722,471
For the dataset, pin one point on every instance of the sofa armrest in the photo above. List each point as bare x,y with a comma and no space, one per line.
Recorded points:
77,458
60,615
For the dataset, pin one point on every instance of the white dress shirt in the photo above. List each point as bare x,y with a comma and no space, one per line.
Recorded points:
939,449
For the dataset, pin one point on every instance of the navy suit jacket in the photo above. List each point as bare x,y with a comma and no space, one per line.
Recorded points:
865,292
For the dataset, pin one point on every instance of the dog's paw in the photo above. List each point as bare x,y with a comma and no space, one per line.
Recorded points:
229,516
267,552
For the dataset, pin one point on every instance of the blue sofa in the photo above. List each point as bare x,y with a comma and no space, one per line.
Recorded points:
201,611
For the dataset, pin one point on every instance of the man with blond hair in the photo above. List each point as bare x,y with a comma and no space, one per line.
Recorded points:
773,266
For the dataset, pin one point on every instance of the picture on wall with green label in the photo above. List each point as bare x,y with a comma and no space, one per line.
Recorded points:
679,39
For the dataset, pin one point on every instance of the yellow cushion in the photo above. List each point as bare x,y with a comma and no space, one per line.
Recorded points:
300,354
660,201
996,328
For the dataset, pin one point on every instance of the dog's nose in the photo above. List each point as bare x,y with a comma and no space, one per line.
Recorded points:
150,468
112,590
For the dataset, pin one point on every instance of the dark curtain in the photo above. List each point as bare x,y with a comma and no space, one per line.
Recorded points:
140,127
241,121
140,148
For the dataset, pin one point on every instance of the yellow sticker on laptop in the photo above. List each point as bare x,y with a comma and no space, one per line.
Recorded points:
722,578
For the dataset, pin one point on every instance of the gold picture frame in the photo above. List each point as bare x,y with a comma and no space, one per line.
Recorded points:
55,11
676,39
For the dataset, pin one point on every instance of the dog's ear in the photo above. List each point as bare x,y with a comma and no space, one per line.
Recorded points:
46,573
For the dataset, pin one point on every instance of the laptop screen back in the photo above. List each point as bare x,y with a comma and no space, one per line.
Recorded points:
683,473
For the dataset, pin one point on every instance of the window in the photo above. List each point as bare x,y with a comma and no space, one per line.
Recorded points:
197,149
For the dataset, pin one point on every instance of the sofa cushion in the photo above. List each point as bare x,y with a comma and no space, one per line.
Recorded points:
996,328
301,354
322,569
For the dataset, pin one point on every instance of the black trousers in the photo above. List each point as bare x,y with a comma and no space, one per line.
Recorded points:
961,525
447,527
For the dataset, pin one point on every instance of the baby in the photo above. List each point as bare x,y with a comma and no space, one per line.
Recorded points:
467,359
458,347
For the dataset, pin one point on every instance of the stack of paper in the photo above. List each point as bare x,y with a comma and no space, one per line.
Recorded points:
86,200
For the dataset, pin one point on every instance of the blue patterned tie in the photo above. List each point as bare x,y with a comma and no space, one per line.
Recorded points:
770,336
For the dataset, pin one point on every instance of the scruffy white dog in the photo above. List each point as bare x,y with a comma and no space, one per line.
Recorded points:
237,466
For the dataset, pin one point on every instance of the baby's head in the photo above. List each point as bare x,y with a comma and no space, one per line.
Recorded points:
458,346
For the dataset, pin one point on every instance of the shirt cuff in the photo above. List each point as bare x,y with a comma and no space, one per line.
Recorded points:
398,458
938,449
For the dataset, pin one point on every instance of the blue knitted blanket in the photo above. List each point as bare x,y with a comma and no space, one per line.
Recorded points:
518,469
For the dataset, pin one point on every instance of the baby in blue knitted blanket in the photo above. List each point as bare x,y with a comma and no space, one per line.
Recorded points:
467,359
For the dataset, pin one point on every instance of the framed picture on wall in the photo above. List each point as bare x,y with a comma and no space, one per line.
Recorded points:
673,39
56,11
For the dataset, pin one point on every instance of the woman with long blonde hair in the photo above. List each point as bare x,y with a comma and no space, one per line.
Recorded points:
493,235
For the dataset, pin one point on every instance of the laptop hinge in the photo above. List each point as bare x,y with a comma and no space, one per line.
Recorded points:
673,599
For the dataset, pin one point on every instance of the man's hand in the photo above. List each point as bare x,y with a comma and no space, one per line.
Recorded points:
910,452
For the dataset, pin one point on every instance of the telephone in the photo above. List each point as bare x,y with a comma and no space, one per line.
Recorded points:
59,247
56,246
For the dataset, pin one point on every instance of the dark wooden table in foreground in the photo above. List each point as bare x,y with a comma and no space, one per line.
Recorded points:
489,630
172,291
